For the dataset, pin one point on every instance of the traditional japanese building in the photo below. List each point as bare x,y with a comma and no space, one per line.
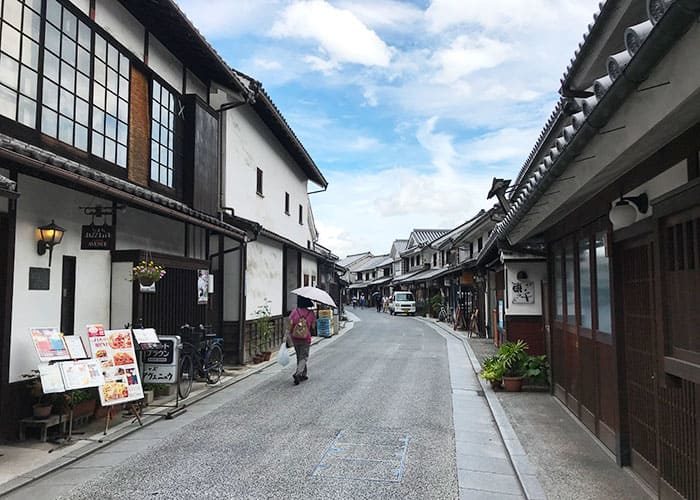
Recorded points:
611,193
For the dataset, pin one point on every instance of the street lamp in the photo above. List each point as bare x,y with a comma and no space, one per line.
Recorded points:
50,235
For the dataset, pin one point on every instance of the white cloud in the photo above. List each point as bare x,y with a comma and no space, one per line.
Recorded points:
467,54
341,36
227,19
266,64
384,14
503,15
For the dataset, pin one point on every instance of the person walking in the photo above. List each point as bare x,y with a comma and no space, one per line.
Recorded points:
302,322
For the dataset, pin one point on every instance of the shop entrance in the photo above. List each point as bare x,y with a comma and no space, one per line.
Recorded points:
636,259
68,296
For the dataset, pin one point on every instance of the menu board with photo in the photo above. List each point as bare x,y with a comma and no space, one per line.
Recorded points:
114,351
81,374
49,344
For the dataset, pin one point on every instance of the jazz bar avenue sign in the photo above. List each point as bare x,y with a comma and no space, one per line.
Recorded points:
96,237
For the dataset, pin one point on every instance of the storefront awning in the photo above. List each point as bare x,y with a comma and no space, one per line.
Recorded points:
356,286
381,281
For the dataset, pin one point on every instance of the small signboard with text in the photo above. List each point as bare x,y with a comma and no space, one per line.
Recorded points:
94,237
160,365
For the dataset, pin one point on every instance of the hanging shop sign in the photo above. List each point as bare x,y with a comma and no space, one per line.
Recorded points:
96,237
160,365
114,350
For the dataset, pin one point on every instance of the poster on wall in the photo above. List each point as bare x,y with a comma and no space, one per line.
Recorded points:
523,292
203,286
49,344
114,351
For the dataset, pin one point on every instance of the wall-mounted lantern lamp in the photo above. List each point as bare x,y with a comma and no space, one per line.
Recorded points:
625,210
522,275
50,235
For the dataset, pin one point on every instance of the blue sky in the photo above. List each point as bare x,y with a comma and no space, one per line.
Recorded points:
409,108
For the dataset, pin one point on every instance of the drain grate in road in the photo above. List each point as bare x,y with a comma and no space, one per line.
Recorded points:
364,456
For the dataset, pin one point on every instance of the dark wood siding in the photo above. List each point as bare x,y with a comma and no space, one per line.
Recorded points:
201,146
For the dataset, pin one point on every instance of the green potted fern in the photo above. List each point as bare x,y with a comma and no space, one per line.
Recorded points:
513,357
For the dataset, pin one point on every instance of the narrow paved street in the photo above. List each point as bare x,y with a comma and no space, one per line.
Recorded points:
373,421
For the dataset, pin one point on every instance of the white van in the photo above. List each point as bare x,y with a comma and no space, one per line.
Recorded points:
402,303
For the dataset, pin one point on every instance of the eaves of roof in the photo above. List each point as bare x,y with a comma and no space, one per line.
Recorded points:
287,242
170,25
8,188
43,162
647,44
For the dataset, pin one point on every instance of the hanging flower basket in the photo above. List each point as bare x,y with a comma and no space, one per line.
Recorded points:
147,273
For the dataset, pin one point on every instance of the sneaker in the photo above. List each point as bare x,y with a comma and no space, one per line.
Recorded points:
296,379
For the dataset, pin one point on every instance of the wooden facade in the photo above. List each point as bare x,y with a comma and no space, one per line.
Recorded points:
624,344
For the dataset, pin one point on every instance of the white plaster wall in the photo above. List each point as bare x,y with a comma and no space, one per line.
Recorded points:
122,295
536,272
124,27
39,203
249,146
83,5
264,276
141,230
196,86
309,266
163,62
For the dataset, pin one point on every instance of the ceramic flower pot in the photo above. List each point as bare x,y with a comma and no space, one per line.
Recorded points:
41,411
513,384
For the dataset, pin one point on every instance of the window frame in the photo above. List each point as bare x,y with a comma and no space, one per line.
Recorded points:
259,182
164,86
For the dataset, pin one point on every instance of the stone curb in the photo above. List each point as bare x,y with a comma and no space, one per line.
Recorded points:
524,470
38,473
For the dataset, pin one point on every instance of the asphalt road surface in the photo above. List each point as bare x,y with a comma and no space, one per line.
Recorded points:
374,420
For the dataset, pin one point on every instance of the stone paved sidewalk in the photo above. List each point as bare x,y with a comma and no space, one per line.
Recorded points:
565,457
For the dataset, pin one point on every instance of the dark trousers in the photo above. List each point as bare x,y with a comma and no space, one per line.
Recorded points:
302,351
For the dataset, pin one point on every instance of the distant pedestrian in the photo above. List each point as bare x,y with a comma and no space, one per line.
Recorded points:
302,323
376,296
362,301
385,304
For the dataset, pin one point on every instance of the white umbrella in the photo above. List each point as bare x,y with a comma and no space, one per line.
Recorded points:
315,294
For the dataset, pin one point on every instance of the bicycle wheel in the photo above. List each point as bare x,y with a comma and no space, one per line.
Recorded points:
215,364
185,376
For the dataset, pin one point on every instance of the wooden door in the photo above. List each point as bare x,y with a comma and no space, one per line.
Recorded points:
636,262
68,296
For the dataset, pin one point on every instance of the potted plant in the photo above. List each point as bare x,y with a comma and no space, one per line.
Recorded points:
536,370
492,370
513,357
149,393
435,304
44,404
84,402
147,273
263,328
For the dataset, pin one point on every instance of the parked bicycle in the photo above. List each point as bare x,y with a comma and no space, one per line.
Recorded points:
202,357
445,314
